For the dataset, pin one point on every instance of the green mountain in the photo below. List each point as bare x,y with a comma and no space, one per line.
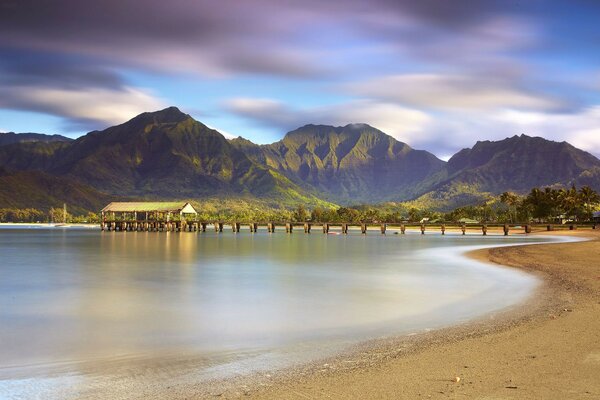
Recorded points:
11,137
351,164
169,155
36,189
165,154
514,164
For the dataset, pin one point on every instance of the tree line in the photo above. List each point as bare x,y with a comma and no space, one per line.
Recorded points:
56,215
539,205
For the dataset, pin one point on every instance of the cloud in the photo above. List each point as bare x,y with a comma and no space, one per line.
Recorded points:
399,122
580,129
259,37
453,92
82,108
436,74
442,133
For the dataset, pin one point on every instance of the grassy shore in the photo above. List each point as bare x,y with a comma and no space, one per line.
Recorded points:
548,348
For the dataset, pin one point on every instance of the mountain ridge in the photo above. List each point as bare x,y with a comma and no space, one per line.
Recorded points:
168,154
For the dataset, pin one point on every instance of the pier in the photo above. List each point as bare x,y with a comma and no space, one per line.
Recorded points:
182,217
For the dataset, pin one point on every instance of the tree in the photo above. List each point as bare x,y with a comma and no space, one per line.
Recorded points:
414,215
300,215
540,203
569,201
590,200
512,200
57,215
317,215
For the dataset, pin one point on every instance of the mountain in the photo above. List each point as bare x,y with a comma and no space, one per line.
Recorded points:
168,155
514,164
351,164
11,137
164,154
36,189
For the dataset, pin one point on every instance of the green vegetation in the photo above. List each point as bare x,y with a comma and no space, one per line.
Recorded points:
540,205
167,155
56,215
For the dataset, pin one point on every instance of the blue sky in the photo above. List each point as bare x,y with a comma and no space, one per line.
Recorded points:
436,74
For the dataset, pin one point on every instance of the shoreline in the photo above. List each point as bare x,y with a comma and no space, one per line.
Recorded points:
410,367
385,367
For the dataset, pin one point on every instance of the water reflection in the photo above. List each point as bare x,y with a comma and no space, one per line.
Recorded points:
69,296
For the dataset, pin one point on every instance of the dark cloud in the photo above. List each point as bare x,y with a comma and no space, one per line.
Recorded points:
227,36
26,68
57,53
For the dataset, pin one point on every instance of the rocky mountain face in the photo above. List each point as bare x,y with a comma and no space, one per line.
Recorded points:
352,164
169,155
516,164
165,154
520,163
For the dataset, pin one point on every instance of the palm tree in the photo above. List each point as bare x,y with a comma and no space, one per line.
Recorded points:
540,206
512,200
569,201
590,198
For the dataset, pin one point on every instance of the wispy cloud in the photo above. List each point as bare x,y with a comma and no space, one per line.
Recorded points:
394,120
453,92
437,74
83,109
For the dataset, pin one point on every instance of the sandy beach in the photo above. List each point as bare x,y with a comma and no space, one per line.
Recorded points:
548,348
545,348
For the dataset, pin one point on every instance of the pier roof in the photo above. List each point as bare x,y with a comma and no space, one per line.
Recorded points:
153,206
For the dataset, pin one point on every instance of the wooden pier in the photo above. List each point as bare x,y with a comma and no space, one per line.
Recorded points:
192,225
182,217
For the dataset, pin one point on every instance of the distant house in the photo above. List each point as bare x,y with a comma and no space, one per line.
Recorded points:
139,210
596,216
468,221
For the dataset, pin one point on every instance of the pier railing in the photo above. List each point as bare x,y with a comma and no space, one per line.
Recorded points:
324,227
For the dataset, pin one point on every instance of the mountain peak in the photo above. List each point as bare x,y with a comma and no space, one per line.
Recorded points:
168,115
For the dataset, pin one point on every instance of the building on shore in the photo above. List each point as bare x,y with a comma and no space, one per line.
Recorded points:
148,211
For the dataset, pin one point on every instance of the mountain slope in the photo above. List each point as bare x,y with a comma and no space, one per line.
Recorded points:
11,137
35,189
164,154
169,155
514,164
352,164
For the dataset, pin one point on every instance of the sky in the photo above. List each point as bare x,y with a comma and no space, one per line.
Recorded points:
436,74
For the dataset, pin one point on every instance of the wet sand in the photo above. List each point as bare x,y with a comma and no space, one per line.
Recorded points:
548,348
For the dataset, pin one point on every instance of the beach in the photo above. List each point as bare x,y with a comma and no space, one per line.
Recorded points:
548,348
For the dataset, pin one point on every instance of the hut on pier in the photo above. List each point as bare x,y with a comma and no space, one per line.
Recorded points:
148,211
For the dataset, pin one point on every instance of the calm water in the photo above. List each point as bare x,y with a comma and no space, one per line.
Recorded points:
74,299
